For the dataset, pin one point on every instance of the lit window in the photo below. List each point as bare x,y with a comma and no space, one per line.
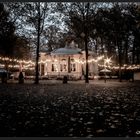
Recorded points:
54,67
73,67
72,60
63,66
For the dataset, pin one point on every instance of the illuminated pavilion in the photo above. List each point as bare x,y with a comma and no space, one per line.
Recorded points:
68,61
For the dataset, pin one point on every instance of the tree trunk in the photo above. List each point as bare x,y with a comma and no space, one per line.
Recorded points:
138,58
126,51
38,45
120,64
96,47
133,52
119,55
69,65
102,48
86,51
86,42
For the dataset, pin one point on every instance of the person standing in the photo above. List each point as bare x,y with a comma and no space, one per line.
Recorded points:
21,78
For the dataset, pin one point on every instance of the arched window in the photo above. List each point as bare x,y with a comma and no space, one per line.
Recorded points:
63,65
55,67
73,65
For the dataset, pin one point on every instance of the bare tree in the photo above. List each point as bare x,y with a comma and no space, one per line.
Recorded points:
32,16
79,18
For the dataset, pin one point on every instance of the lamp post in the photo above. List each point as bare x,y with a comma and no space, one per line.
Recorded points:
83,35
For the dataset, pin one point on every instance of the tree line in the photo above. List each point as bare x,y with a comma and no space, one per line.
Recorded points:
113,28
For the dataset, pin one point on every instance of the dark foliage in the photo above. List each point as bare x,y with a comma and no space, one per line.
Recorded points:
7,29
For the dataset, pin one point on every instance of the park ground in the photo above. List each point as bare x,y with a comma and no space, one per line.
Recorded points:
75,109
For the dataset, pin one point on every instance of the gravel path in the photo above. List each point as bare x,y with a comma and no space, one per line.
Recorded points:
70,110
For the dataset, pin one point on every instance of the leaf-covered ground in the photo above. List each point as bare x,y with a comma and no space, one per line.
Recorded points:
70,110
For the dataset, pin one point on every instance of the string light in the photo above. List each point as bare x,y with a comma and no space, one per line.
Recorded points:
29,64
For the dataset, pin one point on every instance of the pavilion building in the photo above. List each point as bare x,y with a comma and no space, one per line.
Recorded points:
68,61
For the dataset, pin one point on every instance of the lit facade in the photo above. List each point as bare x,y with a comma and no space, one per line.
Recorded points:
71,65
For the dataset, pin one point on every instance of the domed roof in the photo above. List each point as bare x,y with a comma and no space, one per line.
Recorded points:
66,51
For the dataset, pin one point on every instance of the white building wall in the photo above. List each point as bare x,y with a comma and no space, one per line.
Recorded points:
49,60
